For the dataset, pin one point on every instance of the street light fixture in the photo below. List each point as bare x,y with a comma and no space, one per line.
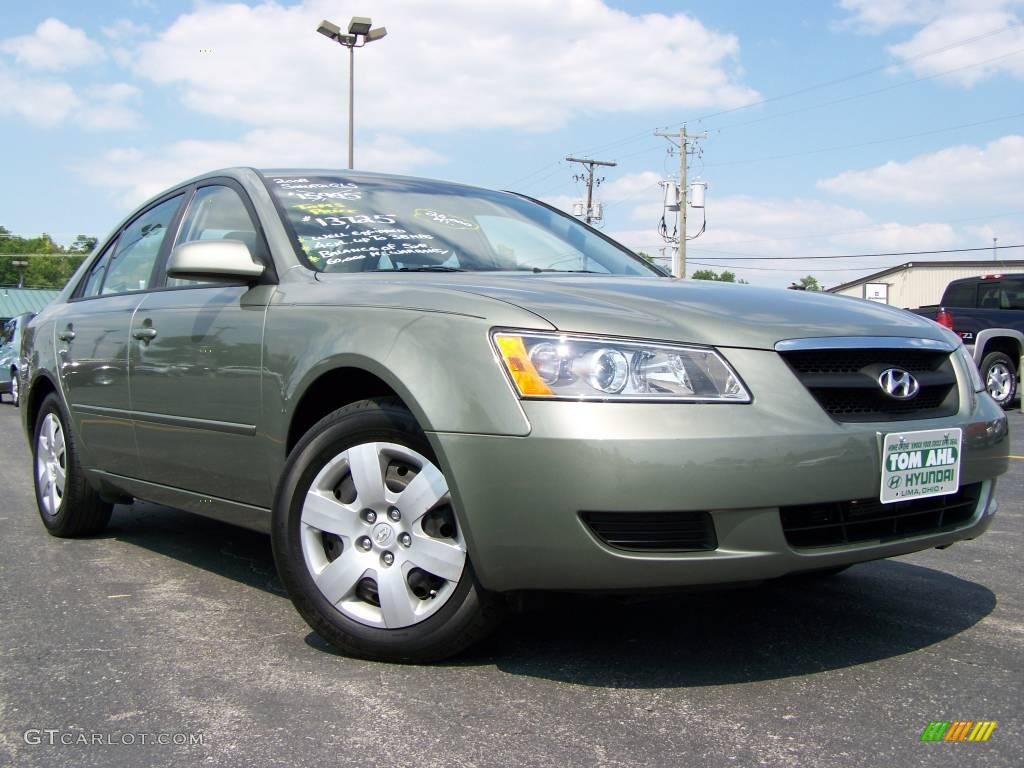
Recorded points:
359,27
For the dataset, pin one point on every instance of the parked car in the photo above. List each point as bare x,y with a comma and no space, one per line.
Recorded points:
10,357
988,314
434,396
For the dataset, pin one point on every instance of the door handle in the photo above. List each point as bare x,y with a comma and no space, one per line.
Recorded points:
66,335
144,334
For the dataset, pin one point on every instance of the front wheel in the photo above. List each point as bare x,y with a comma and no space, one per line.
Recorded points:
1000,376
368,543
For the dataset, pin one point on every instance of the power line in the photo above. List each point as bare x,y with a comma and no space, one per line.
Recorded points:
862,94
833,233
865,143
863,255
836,81
816,86
863,73
792,269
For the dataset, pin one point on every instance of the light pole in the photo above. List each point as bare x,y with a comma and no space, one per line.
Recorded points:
21,264
359,34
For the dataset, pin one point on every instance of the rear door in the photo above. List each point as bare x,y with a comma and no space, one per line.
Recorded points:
195,364
93,342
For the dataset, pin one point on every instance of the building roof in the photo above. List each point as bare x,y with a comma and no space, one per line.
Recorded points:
18,301
992,266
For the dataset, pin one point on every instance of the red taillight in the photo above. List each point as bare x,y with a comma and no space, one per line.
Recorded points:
944,318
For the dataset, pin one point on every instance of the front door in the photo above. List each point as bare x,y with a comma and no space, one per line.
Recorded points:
195,367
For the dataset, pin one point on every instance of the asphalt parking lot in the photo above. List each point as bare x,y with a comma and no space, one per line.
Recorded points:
173,625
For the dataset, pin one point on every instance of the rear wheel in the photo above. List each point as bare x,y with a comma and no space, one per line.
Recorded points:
1000,376
368,543
68,505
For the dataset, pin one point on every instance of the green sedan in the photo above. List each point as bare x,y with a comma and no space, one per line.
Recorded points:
434,396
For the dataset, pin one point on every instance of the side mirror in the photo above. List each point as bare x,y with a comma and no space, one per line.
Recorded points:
214,260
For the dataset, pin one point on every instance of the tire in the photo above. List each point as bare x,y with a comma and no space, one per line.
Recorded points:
338,519
68,505
15,388
1000,376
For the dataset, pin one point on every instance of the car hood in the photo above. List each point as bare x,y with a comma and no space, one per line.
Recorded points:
700,312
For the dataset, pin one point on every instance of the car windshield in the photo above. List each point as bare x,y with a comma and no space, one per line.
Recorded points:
370,224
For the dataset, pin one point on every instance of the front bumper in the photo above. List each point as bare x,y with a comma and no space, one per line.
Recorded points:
520,498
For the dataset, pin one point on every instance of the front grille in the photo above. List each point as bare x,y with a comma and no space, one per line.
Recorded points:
845,382
653,531
847,522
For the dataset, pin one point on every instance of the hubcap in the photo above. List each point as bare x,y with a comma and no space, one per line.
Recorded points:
51,464
14,388
999,382
355,558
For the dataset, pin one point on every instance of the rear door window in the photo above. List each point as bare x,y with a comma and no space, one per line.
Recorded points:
94,280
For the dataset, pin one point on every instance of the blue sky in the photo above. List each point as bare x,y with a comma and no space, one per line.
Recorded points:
856,126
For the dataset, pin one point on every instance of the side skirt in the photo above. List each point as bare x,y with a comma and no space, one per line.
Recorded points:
236,513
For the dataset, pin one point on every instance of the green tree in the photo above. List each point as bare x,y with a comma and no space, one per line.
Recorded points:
809,283
709,274
83,244
47,264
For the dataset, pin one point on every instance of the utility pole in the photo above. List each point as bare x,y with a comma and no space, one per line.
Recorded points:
994,241
679,262
589,178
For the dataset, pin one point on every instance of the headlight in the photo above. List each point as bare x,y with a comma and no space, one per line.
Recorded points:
972,368
561,366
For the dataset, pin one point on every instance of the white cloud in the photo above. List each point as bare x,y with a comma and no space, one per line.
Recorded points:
951,35
110,107
135,174
633,186
999,51
39,101
742,226
49,103
880,15
127,30
947,177
561,202
1009,231
529,65
53,46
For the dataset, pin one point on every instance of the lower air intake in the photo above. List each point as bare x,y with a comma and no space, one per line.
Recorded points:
847,522
653,531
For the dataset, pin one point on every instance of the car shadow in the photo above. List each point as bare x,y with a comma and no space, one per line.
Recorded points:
220,548
778,629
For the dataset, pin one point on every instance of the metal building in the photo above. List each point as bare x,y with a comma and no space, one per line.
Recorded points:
18,301
920,283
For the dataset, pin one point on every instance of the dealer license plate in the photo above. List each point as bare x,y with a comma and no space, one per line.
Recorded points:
916,465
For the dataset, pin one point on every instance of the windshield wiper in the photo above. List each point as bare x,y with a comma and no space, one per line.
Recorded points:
425,268
587,271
